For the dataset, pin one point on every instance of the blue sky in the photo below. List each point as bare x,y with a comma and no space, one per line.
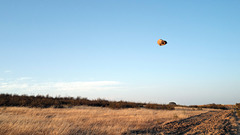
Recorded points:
108,49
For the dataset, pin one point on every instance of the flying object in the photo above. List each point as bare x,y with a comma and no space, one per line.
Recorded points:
161,42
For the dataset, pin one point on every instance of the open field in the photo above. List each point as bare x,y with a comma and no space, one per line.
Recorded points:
98,120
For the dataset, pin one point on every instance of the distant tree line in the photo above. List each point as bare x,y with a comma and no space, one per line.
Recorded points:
238,109
61,102
238,106
212,106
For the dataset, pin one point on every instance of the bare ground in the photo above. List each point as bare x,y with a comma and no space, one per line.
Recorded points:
213,122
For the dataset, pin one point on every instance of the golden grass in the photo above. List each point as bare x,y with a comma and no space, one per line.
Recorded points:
83,120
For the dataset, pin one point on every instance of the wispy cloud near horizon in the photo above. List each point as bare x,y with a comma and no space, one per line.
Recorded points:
23,87
7,71
24,78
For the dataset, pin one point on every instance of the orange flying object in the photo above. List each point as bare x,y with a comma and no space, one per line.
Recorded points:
161,42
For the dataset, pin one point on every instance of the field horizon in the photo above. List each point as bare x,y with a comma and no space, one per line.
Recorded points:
23,115
61,102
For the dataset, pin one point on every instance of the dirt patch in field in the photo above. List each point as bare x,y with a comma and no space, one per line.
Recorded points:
213,122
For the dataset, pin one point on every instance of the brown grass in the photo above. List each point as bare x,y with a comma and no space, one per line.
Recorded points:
238,113
83,120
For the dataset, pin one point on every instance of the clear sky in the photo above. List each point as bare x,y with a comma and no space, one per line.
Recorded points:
108,49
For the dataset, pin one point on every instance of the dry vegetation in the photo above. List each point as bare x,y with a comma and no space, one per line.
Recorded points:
237,108
213,106
222,122
25,115
84,120
61,102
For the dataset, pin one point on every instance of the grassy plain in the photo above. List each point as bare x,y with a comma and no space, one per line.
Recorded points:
84,120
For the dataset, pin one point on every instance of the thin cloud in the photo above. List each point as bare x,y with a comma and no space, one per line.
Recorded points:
93,85
60,86
7,71
24,78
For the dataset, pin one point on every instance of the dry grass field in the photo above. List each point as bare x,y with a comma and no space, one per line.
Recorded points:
85,120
